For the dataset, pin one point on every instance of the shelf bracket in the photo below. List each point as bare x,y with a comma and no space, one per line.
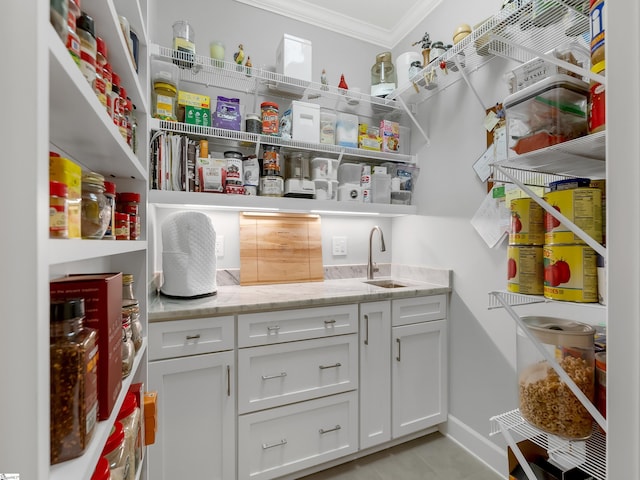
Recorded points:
257,150
414,119
552,211
465,77
564,376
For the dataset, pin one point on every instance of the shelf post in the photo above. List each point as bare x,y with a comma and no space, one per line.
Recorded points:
517,452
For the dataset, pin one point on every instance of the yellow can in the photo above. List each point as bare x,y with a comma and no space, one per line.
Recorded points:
527,222
601,184
525,269
582,206
570,273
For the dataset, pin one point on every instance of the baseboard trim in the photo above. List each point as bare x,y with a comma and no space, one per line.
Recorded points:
476,444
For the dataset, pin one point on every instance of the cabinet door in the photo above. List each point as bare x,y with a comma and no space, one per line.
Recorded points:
375,373
196,418
418,376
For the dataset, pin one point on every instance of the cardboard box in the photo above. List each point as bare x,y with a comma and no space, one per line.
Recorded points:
102,295
390,133
150,417
537,458
70,173
194,109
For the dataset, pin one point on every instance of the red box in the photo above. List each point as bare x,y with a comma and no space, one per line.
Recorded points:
102,295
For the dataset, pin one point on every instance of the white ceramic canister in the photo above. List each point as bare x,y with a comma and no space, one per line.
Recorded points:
403,63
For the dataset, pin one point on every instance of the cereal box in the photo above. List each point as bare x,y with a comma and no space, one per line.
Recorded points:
390,133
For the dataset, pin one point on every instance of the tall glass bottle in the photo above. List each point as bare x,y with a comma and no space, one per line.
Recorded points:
131,307
383,76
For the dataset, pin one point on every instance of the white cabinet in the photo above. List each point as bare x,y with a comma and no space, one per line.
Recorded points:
196,404
375,373
419,365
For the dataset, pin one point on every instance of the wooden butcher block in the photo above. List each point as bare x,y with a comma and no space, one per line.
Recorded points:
280,248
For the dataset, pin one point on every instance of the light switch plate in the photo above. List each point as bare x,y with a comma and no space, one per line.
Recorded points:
219,245
339,245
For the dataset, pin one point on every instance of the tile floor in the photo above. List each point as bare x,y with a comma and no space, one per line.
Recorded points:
433,457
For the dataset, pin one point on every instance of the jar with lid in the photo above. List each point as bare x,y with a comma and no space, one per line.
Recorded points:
123,123
95,211
116,107
101,472
270,160
101,61
131,306
129,202
133,121
73,40
58,210
58,13
545,400
73,380
122,226
88,47
107,76
184,46
110,194
114,452
253,124
128,350
129,417
383,76
270,122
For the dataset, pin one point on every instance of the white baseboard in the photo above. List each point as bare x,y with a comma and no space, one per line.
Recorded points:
492,455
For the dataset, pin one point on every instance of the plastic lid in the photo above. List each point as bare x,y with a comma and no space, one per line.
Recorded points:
128,406
101,471
384,57
253,116
85,22
101,46
598,67
54,154
107,68
127,278
123,92
57,189
534,91
269,104
122,216
93,177
115,440
115,78
129,197
109,187
166,86
61,310
562,332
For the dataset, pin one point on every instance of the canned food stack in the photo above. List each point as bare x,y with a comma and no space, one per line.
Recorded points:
526,239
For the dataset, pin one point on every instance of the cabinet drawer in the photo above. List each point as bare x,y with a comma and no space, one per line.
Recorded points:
288,325
274,375
420,309
180,338
287,439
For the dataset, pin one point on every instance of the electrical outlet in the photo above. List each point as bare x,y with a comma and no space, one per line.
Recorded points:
339,245
219,246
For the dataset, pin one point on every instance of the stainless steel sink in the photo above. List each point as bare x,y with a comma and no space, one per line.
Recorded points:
386,283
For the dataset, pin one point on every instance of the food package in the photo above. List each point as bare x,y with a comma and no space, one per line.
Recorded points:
194,109
390,133
227,114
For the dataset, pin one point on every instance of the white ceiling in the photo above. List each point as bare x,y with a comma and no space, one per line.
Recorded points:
381,22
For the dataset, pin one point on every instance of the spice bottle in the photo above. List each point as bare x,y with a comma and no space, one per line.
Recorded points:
73,40
58,210
115,99
101,61
95,210
128,350
88,47
114,452
129,417
122,226
58,11
73,380
129,202
122,119
107,75
110,194
131,306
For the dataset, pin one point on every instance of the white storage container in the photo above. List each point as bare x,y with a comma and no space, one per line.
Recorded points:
347,130
324,168
305,122
327,127
293,57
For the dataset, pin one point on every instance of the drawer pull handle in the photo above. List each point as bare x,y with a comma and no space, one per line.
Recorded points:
330,322
366,329
277,375
323,431
228,380
193,337
276,444
335,365
273,328
399,349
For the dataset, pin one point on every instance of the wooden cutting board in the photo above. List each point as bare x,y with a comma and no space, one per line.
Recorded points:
280,248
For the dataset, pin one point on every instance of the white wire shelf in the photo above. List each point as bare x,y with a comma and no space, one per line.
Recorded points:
517,31
589,455
252,140
520,299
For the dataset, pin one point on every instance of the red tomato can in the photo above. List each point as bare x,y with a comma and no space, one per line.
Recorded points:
570,273
527,222
582,206
525,269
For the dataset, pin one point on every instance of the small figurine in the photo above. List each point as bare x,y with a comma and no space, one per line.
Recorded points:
343,84
425,44
248,65
323,80
238,57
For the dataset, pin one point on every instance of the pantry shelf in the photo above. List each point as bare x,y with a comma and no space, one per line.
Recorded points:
235,138
589,456
520,299
67,250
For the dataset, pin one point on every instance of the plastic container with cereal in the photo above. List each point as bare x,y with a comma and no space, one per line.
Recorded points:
546,113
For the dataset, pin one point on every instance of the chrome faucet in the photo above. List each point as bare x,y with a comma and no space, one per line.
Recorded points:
370,268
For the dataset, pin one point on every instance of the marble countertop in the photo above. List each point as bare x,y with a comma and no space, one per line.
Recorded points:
232,299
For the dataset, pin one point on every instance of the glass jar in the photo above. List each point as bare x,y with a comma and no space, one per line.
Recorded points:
129,202
383,76
114,452
184,46
131,307
107,75
73,40
58,210
545,400
110,194
123,119
116,107
73,380
165,97
129,416
271,160
270,122
58,14
122,226
128,350
101,61
88,47
95,208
